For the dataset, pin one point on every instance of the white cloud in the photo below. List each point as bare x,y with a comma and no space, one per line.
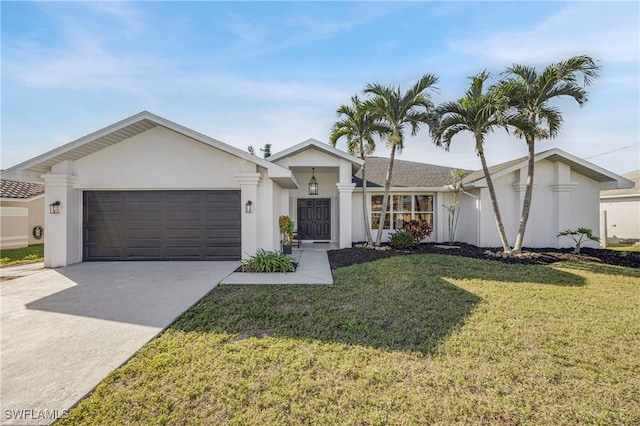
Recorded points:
607,31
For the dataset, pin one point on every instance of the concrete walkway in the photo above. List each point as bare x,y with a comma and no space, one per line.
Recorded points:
22,270
313,268
63,330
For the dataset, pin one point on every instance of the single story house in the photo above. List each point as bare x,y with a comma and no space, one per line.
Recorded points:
148,188
21,214
620,211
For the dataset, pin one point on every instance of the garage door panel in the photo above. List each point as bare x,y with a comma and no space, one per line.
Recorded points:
190,215
143,253
233,233
149,225
223,252
185,197
184,233
222,216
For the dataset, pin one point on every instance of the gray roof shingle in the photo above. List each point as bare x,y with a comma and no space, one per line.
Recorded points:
405,174
20,190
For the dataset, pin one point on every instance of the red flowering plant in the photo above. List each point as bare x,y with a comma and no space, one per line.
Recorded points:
419,229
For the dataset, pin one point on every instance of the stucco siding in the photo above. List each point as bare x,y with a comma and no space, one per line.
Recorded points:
623,217
585,202
34,218
357,220
469,216
160,159
13,222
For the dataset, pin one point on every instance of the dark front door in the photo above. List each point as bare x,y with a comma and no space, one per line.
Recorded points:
161,225
314,219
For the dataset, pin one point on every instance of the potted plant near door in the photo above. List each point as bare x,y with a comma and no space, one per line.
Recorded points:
286,229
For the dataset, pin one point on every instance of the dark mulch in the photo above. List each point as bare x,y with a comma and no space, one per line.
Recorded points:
540,256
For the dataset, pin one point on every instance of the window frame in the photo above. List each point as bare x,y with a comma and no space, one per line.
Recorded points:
390,225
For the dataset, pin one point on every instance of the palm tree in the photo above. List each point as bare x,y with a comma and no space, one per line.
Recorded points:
358,126
478,112
530,94
397,111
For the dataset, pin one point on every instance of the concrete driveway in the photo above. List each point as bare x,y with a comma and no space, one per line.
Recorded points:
63,330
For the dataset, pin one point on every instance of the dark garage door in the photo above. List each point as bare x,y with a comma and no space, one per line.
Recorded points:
161,225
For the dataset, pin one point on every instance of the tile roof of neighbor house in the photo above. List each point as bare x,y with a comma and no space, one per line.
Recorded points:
407,174
632,176
17,189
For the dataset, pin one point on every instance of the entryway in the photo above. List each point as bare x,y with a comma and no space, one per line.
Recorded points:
314,218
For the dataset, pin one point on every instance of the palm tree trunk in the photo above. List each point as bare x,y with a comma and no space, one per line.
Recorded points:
494,203
365,212
385,197
528,192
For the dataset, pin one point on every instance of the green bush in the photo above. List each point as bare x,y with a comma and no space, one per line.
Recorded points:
401,240
268,261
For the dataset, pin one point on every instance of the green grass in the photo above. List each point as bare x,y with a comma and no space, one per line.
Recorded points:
424,339
31,254
622,247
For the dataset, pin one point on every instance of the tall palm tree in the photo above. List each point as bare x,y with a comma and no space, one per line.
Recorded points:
530,95
359,127
478,112
397,110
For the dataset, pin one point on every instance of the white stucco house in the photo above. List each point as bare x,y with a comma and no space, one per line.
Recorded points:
620,211
148,188
21,214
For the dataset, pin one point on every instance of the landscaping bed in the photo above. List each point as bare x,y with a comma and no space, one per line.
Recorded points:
532,256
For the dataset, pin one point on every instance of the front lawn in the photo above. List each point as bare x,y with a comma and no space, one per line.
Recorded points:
31,254
422,339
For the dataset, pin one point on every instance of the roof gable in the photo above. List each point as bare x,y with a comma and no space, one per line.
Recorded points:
585,168
127,128
318,146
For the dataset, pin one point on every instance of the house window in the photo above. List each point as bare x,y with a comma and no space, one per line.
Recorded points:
402,208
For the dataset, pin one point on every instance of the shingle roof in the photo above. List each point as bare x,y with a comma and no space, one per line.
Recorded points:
17,189
632,176
479,174
405,174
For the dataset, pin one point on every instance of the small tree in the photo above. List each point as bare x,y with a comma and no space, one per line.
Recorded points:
579,236
266,151
251,150
453,208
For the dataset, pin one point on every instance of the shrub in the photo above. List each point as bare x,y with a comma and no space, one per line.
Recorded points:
268,261
418,229
401,240
579,236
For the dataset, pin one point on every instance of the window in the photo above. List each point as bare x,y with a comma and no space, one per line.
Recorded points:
402,208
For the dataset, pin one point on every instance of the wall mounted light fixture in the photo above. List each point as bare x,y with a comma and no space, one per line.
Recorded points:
54,208
313,184
247,207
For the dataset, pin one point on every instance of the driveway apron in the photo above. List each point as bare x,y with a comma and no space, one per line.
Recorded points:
63,330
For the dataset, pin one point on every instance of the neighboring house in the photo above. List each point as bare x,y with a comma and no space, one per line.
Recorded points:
620,211
21,214
148,188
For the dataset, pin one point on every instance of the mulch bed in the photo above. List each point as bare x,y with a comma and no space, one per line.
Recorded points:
532,256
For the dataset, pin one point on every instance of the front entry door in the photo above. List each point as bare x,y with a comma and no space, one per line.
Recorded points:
314,219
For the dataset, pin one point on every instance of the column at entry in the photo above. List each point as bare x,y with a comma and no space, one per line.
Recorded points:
314,218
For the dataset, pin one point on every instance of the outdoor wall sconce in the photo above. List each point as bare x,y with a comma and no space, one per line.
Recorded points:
247,207
54,208
313,184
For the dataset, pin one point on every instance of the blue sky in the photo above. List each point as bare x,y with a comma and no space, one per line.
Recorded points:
250,73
